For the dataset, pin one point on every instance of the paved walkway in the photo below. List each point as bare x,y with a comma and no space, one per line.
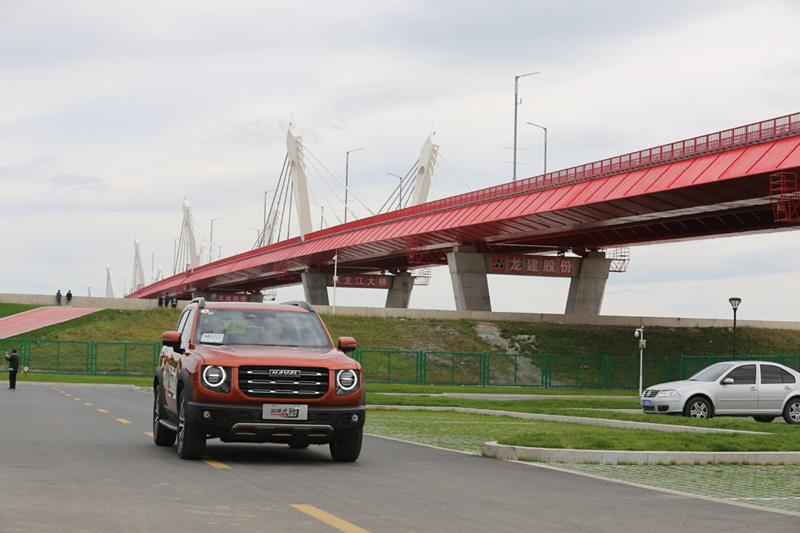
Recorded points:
39,318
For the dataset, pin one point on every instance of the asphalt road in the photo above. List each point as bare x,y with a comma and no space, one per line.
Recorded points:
79,458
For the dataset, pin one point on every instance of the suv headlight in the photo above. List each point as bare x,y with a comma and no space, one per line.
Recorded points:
346,381
669,393
216,378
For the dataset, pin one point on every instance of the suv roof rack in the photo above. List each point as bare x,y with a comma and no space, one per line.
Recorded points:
300,303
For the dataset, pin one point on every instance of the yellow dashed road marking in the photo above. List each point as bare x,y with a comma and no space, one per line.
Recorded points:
329,519
102,410
87,403
215,464
123,421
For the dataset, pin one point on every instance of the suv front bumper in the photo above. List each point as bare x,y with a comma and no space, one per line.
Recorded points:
245,423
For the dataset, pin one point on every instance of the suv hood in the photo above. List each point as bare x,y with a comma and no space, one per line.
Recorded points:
278,355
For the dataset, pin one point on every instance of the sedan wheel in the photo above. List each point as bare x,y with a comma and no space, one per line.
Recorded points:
697,408
791,413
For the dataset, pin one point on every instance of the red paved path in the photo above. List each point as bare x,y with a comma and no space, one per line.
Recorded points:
39,318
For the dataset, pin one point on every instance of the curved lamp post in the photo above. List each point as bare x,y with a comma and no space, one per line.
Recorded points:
735,304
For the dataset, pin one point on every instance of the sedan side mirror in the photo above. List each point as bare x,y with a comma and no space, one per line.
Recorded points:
728,381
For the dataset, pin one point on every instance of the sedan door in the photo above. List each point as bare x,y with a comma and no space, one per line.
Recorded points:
775,384
740,396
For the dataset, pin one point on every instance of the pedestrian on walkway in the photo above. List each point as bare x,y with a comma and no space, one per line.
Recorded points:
69,298
13,368
58,297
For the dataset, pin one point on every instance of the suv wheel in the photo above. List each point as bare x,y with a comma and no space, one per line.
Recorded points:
191,443
347,449
162,435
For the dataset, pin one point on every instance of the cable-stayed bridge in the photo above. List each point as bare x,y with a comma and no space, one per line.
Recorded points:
564,223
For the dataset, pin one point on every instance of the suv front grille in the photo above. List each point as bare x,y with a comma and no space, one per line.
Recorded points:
256,382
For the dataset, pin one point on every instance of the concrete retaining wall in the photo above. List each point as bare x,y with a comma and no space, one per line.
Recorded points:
81,301
595,320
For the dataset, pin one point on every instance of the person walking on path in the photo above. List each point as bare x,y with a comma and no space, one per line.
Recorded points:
58,297
69,298
13,368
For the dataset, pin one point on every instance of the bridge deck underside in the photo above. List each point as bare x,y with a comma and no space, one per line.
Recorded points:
710,195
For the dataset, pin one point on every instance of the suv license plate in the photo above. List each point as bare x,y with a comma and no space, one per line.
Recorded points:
284,411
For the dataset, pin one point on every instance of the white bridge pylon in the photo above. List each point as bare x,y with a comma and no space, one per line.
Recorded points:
424,172
293,195
297,168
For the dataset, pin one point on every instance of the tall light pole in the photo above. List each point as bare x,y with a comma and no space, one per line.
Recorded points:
545,144
347,179
516,104
735,301
152,267
211,240
400,202
321,215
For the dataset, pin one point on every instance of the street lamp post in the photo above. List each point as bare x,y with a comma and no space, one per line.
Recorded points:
152,267
735,301
400,200
516,104
321,215
639,333
211,240
545,144
347,179
335,279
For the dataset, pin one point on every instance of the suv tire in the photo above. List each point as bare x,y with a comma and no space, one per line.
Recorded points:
162,435
347,449
191,443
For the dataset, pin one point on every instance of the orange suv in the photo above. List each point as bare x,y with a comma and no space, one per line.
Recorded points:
252,372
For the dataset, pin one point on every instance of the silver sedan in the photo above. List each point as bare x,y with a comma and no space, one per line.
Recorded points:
760,389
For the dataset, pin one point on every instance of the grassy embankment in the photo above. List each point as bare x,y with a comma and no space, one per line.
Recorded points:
469,431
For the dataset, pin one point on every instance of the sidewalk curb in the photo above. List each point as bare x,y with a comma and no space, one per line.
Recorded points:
555,455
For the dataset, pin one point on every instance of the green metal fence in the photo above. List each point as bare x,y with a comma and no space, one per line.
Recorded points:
402,366
88,358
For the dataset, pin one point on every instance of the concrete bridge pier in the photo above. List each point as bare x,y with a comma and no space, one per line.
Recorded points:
468,275
586,289
315,286
399,294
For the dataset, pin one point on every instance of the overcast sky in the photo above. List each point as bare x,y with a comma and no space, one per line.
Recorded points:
114,112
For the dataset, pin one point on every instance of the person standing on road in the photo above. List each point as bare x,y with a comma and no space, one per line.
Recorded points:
69,298
13,368
58,297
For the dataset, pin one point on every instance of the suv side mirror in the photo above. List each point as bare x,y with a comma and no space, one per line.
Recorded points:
346,344
172,339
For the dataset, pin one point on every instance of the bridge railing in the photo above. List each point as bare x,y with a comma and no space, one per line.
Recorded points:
785,126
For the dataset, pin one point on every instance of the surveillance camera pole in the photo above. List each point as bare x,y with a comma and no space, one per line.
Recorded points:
639,333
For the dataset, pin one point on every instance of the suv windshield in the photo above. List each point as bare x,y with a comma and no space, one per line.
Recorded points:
711,373
260,328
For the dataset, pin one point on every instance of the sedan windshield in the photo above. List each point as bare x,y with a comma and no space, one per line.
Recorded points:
261,328
711,373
